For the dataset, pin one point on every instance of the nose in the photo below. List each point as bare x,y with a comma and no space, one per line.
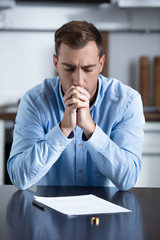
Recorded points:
78,77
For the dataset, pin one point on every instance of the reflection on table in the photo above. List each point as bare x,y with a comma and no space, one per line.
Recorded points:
28,222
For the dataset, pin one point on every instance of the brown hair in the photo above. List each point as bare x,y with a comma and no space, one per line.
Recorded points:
76,34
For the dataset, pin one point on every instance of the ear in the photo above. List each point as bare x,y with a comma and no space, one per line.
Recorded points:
101,61
55,61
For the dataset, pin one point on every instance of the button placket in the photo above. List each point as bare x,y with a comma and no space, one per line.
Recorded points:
79,145
79,171
79,158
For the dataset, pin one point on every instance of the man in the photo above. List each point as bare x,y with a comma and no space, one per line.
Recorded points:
80,128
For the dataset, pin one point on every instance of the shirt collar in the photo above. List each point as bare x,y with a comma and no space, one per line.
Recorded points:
98,92
60,93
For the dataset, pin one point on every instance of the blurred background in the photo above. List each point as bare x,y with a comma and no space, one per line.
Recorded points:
131,34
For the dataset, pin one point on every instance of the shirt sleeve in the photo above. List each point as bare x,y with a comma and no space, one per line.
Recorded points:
33,152
118,155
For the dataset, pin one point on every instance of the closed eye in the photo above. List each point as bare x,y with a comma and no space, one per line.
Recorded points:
88,69
70,69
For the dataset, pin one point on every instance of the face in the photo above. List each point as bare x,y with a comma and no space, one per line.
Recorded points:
79,67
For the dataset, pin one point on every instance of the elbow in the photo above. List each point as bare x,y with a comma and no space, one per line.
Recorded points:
21,184
128,181
125,187
129,177
22,187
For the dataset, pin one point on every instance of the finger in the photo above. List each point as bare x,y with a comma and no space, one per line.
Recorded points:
71,101
83,91
77,96
76,103
81,104
74,90
69,89
69,93
81,97
76,93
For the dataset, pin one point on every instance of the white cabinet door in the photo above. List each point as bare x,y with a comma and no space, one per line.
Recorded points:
2,127
150,172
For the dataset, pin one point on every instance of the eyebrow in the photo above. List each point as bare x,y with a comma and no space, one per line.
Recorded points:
73,66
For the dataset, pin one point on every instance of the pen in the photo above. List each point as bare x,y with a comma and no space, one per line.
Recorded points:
38,204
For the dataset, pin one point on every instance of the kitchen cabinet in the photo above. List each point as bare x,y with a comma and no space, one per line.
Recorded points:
150,172
2,141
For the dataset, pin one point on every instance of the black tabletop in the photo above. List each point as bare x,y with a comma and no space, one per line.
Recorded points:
19,219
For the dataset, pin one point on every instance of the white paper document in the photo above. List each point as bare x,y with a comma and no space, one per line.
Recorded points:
81,205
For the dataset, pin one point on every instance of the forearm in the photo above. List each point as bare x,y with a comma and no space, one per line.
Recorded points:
118,164
27,167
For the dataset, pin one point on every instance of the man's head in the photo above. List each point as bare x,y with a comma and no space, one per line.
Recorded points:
79,58
76,34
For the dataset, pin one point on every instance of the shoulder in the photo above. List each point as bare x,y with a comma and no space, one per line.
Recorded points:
47,87
116,90
37,101
120,98
40,96
42,93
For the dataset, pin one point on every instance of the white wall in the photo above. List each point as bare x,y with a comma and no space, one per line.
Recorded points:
125,49
26,57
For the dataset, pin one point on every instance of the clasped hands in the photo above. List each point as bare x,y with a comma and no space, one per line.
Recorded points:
77,112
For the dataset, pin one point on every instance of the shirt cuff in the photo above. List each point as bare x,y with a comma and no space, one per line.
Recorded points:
57,140
97,141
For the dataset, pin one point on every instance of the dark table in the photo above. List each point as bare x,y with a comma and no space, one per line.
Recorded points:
20,220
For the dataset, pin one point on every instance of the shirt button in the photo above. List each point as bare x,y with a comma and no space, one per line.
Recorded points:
79,171
44,163
79,145
61,144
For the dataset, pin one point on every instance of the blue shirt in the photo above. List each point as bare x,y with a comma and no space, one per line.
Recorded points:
42,155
